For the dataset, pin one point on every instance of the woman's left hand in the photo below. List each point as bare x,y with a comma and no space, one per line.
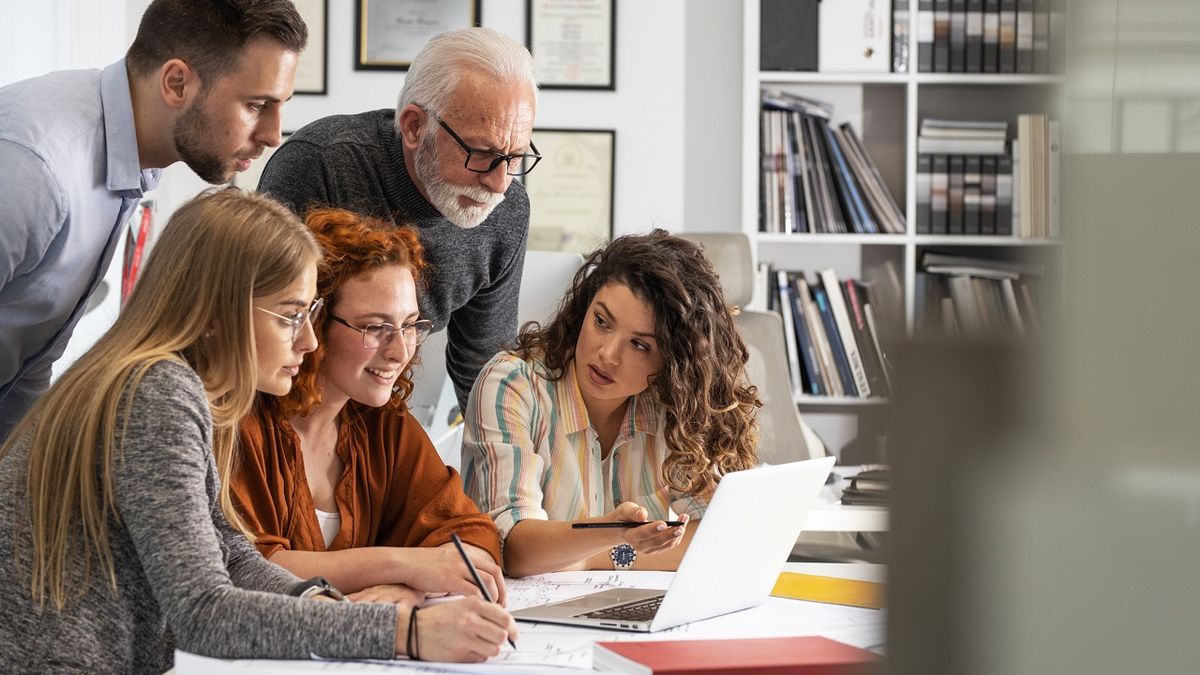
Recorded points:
653,537
393,593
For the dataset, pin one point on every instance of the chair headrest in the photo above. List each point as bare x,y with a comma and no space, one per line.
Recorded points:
731,256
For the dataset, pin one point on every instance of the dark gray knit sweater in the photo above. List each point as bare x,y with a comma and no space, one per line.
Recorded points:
356,162
182,571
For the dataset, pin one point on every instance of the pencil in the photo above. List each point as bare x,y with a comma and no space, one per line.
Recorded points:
474,573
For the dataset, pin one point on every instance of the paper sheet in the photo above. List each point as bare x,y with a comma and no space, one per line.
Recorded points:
549,649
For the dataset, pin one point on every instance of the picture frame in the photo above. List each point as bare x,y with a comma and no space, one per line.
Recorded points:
248,179
312,69
571,192
390,33
573,42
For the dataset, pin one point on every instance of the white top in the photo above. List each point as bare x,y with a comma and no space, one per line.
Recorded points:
331,523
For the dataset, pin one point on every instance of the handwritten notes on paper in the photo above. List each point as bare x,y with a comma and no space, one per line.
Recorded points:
552,649
545,588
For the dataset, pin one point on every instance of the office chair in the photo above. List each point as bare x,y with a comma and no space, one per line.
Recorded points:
783,434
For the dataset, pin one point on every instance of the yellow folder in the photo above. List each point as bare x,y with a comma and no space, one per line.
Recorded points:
830,590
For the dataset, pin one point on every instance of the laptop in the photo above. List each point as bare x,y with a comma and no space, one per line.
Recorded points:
733,562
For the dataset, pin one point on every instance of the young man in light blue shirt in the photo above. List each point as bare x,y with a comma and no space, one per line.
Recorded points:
202,83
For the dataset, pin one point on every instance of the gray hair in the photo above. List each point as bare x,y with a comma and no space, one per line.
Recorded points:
434,74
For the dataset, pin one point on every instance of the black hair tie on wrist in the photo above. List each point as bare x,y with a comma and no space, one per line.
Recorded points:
412,645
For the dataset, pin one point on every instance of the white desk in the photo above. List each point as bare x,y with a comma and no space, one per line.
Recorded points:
830,515
571,648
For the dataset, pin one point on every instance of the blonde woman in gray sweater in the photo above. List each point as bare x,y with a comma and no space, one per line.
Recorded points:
117,532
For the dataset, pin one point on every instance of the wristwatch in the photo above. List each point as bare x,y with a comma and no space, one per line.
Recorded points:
317,586
623,556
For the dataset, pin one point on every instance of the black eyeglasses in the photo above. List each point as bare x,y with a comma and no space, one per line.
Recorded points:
486,161
379,335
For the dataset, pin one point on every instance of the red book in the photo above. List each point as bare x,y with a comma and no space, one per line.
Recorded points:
761,656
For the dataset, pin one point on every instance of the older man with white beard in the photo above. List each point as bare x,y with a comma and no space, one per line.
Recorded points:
443,162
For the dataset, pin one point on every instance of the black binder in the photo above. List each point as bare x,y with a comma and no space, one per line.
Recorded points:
991,36
789,35
975,36
941,36
958,36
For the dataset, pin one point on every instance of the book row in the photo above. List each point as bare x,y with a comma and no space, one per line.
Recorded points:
976,298
964,194
842,36
993,194
990,36
831,332
953,36
817,177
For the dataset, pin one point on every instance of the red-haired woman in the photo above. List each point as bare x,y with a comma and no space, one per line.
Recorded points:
336,479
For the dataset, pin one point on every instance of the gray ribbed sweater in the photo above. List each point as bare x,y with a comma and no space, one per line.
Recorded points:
182,571
356,162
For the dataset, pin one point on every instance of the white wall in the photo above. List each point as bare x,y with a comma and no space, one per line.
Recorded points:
676,108
647,110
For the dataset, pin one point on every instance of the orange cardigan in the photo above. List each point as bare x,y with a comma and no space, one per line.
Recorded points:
394,491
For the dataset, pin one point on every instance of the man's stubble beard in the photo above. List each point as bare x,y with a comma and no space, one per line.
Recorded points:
191,135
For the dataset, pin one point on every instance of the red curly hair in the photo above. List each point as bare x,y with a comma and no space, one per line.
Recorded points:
353,244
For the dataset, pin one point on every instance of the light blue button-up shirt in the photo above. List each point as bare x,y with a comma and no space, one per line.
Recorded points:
69,181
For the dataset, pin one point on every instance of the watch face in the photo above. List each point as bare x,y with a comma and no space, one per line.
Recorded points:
623,554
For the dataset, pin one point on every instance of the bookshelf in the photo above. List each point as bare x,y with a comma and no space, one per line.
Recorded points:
885,109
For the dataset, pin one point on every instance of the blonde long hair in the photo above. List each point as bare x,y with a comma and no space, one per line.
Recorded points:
192,304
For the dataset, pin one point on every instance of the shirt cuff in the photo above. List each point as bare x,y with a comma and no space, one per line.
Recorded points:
508,518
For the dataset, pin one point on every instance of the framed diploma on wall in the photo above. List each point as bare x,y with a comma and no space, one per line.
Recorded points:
391,32
313,67
571,191
573,43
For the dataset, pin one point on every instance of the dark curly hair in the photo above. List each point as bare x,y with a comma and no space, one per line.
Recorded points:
710,407
353,244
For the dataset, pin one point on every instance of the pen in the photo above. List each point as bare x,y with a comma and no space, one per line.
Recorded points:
620,523
474,573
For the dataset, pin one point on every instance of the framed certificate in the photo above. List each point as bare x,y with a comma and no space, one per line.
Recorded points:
571,191
391,32
573,43
313,67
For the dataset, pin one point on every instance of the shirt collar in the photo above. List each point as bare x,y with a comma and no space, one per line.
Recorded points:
641,417
124,169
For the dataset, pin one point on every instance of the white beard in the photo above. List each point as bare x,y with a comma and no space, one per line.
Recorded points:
444,196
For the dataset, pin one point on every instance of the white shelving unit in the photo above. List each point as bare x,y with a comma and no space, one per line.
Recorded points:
885,109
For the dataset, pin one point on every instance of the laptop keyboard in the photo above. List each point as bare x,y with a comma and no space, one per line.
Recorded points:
638,610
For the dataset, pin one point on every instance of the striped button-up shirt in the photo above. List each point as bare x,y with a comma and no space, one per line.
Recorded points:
529,451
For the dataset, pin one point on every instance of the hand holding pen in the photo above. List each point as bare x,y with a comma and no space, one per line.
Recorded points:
637,530
475,574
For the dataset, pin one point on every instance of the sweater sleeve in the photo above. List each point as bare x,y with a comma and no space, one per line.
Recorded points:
428,502
165,483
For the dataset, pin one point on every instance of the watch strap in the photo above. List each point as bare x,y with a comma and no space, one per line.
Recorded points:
316,586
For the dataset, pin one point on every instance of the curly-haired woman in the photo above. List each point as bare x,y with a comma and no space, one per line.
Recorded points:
628,406
337,480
